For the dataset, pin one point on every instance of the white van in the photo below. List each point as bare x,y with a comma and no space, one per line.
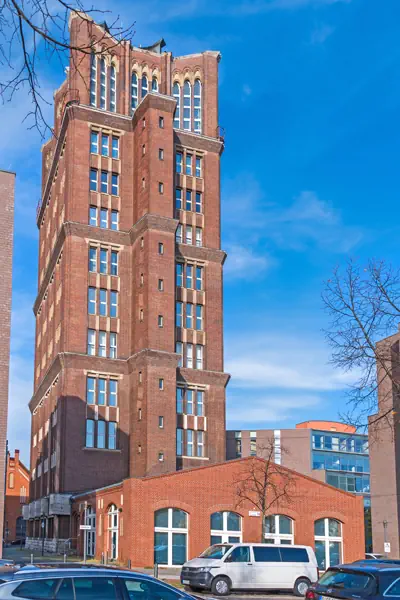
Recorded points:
225,567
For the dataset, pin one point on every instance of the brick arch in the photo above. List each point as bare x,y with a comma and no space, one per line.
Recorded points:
286,512
225,508
330,514
173,504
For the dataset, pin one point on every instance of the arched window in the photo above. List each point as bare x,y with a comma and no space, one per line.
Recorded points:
170,536
93,79
278,530
145,86
113,89
176,92
11,480
328,542
187,100
197,106
20,528
91,533
103,71
154,84
113,519
134,91
226,527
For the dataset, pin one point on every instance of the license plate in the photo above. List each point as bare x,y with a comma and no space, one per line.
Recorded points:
185,581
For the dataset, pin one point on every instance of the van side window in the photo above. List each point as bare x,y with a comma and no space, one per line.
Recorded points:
294,555
239,554
266,554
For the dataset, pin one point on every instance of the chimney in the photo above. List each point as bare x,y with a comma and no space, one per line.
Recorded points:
16,458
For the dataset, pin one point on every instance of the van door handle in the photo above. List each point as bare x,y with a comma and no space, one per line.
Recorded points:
250,564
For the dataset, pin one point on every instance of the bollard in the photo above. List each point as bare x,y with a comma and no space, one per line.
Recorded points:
102,558
65,557
156,570
31,559
129,563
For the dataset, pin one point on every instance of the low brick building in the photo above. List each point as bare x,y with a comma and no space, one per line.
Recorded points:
17,495
174,517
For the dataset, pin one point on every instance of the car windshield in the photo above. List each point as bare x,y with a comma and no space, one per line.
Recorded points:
215,551
348,580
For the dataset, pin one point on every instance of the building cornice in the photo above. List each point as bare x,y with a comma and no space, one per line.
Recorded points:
155,222
200,253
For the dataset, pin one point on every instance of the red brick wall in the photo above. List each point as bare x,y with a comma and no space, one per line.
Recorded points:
17,494
6,251
200,492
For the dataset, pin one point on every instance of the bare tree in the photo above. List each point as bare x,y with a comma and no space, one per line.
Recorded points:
364,306
264,484
34,33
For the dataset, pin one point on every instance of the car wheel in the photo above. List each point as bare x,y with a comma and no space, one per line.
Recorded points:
301,586
220,586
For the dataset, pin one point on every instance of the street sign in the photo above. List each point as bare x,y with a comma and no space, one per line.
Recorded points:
386,547
254,513
85,527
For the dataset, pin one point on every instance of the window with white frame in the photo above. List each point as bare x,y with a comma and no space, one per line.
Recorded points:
154,84
101,391
93,79
197,106
134,91
176,92
328,542
278,530
187,101
145,86
113,88
113,531
103,72
170,536
226,528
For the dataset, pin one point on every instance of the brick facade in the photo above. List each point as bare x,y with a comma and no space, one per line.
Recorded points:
7,182
203,491
17,494
130,212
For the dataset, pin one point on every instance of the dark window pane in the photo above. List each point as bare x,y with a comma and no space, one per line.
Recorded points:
43,588
178,548
149,590
65,591
294,555
161,548
161,518
217,522
94,588
266,554
233,522
285,525
216,539
319,527
179,519
240,554
320,554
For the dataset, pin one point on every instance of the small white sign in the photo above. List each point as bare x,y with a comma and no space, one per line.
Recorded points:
254,513
85,527
386,547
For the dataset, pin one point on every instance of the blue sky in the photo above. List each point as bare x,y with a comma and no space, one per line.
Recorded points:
310,100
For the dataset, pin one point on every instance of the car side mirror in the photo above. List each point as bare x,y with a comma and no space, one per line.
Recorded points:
228,558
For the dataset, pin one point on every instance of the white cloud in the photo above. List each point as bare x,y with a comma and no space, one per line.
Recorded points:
282,362
244,263
270,409
320,34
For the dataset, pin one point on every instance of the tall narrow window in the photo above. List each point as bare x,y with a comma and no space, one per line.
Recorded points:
113,89
145,86
179,314
199,278
199,317
179,442
114,220
103,218
179,400
186,106
154,84
178,199
104,182
89,433
134,91
94,142
178,162
197,106
112,392
115,184
178,234
102,344
113,303
101,434
188,164
199,403
198,166
112,435
179,274
199,356
189,315
103,70
93,216
189,402
93,180
189,356
103,303
189,235
189,277
101,392
91,390
103,261
92,259
92,301
114,262
199,237
91,342
104,144
113,345
198,202
189,442
179,351
176,92
93,79
200,443
115,147
188,204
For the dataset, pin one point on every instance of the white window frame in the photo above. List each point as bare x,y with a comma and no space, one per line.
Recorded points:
170,530
199,356
200,443
92,259
94,145
197,124
326,539
113,345
187,104
176,92
189,235
154,88
226,533
277,536
113,531
103,83
189,356
91,342
134,91
93,80
189,443
199,237
91,534
103,211
113,88
144,88
102,347
103,262
179,234
105,147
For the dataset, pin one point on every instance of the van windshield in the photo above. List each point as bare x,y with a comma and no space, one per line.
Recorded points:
216,551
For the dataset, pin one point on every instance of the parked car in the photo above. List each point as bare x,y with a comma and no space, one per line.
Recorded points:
225,567
87,584
376,581
373,561
24,569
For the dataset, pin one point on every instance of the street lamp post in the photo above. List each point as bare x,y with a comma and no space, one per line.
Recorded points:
385,524
43,527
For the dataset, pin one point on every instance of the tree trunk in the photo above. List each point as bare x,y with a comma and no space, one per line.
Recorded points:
262,529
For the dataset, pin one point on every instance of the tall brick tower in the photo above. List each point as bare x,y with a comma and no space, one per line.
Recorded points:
7,183
129,377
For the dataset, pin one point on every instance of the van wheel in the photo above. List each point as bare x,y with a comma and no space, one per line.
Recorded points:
220,586
301,586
